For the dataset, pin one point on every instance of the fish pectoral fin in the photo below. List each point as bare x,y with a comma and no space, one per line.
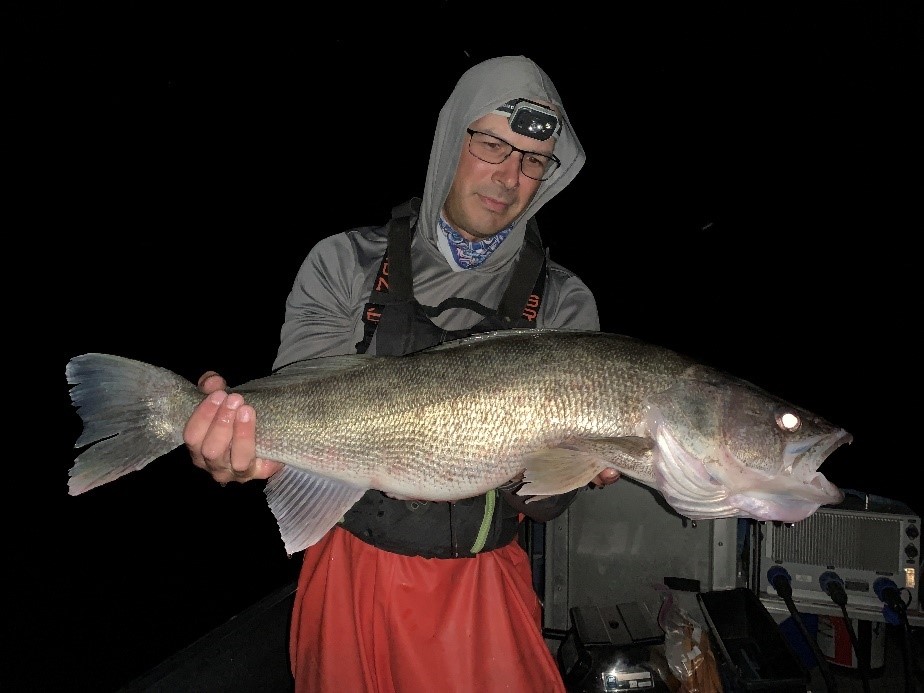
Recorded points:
306,506
576,461
558,470
630,455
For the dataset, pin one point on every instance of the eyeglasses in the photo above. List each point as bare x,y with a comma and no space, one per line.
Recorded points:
494,150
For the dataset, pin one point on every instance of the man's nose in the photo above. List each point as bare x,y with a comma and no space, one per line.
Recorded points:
508,171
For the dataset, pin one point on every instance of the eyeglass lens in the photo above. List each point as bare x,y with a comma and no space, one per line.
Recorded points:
494,150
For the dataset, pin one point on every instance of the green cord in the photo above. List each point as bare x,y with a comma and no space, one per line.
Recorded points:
489,500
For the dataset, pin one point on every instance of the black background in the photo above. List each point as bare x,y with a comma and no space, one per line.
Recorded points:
751,197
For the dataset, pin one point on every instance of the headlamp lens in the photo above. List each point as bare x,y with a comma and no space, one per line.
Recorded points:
534,120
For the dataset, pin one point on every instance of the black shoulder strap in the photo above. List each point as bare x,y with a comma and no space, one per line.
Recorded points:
394,282
400,280
519,305
530,270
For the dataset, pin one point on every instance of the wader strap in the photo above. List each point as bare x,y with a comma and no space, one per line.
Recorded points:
518,307
400,283
393,283
524,293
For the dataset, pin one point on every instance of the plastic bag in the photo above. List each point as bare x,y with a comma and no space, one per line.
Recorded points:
688,650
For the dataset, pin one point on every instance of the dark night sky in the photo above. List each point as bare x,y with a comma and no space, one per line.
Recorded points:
751,190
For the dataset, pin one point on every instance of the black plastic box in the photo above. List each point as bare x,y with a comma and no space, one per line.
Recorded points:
755,655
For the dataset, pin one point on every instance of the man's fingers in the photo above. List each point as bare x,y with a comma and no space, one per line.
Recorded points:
243,445
264,469
199,423
215,443
605,478
211,381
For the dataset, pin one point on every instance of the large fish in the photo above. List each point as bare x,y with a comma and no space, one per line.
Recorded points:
459,419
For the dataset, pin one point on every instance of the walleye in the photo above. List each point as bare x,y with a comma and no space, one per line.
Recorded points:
459,419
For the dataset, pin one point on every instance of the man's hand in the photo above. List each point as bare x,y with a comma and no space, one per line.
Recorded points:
220,435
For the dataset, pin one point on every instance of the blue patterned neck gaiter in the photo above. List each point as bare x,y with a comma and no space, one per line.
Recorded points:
470,254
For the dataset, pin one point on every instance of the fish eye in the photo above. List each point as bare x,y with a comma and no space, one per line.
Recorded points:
788,421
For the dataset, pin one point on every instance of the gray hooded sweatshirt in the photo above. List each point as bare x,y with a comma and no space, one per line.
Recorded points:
323,315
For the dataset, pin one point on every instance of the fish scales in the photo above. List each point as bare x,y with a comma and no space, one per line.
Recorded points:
459,419
467,435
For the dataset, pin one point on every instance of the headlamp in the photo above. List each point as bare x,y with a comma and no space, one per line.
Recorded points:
530,118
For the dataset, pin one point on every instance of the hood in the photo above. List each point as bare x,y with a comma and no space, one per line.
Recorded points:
479,91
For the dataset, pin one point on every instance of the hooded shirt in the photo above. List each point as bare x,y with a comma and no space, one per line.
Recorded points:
324,308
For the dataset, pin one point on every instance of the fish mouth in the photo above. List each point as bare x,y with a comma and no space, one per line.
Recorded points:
726,487
802,461
811,453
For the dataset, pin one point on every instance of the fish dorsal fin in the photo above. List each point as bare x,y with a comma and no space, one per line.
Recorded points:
306,506
498,335
309,369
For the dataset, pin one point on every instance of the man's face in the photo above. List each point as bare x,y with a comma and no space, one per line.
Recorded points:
485,198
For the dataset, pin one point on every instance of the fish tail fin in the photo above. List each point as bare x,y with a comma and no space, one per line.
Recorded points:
132,414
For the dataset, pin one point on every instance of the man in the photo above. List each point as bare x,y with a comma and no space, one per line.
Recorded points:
406,595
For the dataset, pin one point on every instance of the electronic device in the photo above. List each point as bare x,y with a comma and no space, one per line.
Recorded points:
607,649
860,540
531,118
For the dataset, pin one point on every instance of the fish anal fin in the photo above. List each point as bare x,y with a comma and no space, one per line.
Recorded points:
306,506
